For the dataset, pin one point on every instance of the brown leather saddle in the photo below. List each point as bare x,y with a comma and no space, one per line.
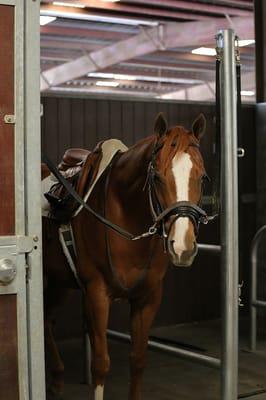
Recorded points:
79,167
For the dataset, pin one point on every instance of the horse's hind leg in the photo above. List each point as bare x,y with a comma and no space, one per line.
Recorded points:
142,317
97,308
52,298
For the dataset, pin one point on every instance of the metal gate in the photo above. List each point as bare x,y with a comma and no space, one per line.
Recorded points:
21,319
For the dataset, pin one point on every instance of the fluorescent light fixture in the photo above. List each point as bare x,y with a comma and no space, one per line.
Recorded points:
157,79
107,84
246,42
247,93
111,1
97,18
63,4
45,19
108,75
101,91
204,51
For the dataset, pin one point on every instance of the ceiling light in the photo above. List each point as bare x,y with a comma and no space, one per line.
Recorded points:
45,19
107,84
111,1
108,75
63,4
247,93
204,51
246,42
97,18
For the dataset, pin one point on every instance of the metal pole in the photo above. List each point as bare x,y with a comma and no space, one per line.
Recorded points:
259,303
184,354
229,212
211,248
254,303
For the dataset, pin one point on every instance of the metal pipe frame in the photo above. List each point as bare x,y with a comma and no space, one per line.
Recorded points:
229,220
208,361
210,248
254,302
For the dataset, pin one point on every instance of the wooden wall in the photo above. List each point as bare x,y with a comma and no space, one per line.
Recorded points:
190,294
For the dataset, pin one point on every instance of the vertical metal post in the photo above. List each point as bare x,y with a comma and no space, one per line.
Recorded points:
229,220
32,139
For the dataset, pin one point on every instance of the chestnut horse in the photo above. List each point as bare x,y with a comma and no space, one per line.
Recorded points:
158,172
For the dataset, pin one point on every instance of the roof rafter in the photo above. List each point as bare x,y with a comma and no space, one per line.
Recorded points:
162,37
189,6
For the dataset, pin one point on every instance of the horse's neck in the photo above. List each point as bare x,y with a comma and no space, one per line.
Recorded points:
131,168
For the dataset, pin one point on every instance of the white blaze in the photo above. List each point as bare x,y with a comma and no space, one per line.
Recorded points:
181,167
98,395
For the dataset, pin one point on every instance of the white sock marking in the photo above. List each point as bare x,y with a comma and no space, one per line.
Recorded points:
98,394
181,167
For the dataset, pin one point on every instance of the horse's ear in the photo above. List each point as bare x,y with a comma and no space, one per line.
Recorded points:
160,125
199,126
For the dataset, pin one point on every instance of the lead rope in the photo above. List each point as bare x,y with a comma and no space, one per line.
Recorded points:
122,232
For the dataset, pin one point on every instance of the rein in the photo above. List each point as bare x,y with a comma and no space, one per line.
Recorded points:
80,200
160,215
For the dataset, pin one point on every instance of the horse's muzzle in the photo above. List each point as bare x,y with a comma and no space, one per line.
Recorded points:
185,258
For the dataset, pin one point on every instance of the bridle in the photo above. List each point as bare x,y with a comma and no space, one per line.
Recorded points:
177,210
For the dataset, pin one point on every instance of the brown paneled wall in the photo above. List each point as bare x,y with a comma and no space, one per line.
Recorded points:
190,294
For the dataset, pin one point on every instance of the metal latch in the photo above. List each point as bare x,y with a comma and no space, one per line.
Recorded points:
25,244
10,119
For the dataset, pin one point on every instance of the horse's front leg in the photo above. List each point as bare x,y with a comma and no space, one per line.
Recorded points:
52,298
142,317
97,309
56,366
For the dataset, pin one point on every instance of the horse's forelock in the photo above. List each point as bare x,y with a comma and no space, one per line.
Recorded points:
176,140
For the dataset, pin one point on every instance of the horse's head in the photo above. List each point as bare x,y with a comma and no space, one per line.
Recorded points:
180,172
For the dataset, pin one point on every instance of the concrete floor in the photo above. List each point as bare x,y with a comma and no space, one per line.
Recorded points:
167,377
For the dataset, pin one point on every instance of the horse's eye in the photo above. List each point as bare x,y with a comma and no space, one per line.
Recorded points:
205,177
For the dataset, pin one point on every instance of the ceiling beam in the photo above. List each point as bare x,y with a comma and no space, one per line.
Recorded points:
248,5
189,6
123,10
82,32
149,40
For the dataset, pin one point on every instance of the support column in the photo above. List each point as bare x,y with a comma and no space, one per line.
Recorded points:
229,217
